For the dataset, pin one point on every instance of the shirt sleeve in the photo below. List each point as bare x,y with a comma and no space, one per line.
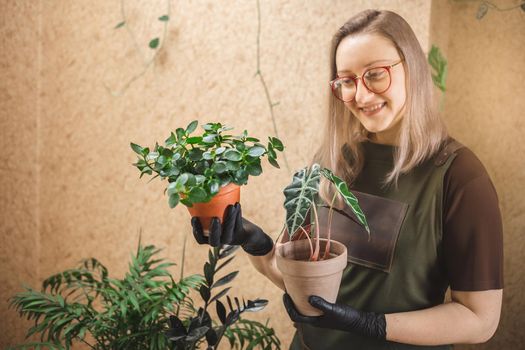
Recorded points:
472,226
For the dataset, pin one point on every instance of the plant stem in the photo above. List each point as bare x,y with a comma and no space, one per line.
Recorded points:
315,256
330,215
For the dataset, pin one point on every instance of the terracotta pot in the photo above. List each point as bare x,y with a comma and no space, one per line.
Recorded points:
229,194
303,278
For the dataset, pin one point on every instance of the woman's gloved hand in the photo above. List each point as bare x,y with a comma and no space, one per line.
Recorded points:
338,316
235,230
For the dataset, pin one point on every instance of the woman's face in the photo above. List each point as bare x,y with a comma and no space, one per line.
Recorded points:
381,113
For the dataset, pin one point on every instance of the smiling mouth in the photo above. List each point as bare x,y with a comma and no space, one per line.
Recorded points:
373,108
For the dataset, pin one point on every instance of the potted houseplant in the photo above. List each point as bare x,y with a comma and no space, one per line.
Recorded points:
204,171
313,265
147,309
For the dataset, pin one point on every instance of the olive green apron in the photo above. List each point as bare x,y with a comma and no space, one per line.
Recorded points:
399,267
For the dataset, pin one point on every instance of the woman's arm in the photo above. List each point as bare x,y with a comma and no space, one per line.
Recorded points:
267,265
470,318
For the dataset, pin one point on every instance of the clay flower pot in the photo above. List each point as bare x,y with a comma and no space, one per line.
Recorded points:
229,194
303,278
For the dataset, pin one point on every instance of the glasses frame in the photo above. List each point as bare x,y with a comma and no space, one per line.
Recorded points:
356,78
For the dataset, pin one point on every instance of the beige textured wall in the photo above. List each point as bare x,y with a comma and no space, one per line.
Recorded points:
77,121
19,122
484,110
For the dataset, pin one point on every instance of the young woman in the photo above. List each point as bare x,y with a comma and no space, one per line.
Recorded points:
431,206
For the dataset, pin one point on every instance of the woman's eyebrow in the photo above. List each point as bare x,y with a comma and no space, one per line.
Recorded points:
367,65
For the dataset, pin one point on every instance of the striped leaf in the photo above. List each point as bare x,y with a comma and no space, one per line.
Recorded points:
299,196
348,196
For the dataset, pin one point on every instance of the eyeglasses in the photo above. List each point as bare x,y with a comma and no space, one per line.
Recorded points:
376,80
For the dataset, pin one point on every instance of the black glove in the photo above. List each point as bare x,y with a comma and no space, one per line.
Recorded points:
338,316
235,230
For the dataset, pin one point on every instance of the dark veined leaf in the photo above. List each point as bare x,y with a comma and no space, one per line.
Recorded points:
221,311
154,43
205,293
226,279
300,195
255,305
227,250
348,196
208,273
220,294
164,18
224,264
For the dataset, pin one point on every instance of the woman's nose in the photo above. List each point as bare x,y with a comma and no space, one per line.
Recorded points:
362,94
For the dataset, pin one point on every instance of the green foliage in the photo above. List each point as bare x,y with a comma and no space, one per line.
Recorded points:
301,193
85,305
439,67
196,166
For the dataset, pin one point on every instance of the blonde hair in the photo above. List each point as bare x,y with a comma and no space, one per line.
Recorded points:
422,132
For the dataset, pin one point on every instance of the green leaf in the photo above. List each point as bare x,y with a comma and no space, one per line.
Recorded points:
277,144
194,140
173,200
207,155
252,139
220,150
214,187
191,127
164,18
232,166
256,151
233,155
241,176
136,148
195,154
121,24
154,43
254,169
209,138
171,140
348,196
197,194
219,167
300,195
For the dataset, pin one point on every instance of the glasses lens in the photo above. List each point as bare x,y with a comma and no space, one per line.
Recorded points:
377,80
344,89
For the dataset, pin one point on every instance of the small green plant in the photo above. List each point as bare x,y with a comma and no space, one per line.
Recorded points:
301,206
197,166
147,309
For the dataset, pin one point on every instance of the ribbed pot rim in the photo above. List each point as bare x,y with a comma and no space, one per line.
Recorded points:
312,268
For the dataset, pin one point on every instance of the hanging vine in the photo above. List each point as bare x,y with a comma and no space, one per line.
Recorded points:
154,44
271,104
